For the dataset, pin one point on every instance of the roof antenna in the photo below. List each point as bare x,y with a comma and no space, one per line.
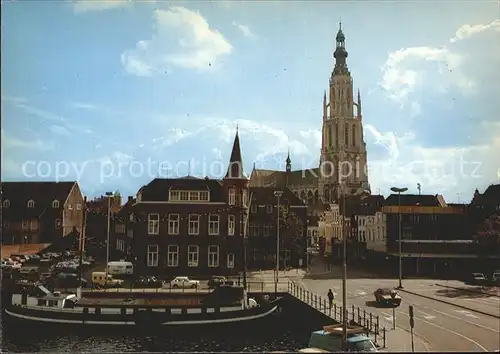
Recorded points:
419,187
340,23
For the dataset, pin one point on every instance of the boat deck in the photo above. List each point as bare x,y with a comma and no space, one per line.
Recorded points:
146,303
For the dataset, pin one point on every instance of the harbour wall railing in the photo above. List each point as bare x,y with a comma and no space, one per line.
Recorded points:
355,315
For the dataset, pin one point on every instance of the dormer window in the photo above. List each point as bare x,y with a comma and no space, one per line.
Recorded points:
55,204
6,203
31,203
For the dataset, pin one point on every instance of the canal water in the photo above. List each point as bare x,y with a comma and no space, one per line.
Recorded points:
278,332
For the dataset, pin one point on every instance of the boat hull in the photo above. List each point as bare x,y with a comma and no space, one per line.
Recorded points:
140,318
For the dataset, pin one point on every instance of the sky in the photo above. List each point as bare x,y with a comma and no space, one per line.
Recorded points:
116,93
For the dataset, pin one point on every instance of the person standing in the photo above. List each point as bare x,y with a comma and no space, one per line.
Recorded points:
330,299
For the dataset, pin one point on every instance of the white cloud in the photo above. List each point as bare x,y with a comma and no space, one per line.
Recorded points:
40,113
244,29
81,6
182,38
174,136
83,105
14,99
439,170
437,69
10,142
59,130
218,153
467,31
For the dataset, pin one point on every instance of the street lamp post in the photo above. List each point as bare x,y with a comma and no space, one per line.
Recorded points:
109,195
399,191
278,195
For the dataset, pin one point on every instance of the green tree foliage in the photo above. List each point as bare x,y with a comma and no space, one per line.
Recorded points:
292,230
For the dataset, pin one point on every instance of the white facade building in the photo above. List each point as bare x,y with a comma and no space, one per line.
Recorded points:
372,230
330,227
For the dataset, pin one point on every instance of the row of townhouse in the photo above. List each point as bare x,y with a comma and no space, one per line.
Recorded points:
436,237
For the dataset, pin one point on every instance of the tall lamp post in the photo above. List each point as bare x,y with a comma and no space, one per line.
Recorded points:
109,195
344,260
278,195
399,191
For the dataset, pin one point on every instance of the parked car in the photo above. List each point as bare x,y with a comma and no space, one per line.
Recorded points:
184,282
217,281
148,282
476,279
386,296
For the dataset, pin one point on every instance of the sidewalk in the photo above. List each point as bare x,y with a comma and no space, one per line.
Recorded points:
399,340
450,302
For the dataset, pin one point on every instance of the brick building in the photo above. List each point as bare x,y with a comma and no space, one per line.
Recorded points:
40,212
187,226
262,229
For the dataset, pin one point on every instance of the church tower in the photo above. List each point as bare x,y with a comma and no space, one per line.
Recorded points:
343,150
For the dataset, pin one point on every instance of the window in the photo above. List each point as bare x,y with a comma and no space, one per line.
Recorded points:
254,208
194,224
173,224
131,217
153,224
34,224
55,204
213,224
120,245
346,134
153,255
25,224
174,196
120,228
231,222
266,230
70,206
204,196
269,209
230,260
254,229
193,255
184,195
245,197
232,196
31,204
6,203
213,256
353,135
194,196
173,256
78,206
58,223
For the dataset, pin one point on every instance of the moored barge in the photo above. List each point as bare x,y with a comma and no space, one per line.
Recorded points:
219,306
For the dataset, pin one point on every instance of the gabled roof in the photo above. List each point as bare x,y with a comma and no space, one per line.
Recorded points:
126,209
281,178
416,200
158,189
265,196
42,193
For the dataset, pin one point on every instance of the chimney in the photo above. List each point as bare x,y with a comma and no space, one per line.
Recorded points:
130,198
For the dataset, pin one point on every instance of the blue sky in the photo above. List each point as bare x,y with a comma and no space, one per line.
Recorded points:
104,91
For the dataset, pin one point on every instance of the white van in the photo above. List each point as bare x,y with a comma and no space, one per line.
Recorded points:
99,278
120,268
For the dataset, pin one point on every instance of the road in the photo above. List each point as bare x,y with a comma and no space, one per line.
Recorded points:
442,326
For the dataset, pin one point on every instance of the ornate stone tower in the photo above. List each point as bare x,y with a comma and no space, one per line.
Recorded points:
343,150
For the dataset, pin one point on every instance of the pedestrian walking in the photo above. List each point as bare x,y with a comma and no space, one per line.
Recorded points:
330,299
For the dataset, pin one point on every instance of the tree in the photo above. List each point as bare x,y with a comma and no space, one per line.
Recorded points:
292,230
489,232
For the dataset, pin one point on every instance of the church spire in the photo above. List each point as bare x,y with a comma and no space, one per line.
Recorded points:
359,105
235,168
340,53
288,162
